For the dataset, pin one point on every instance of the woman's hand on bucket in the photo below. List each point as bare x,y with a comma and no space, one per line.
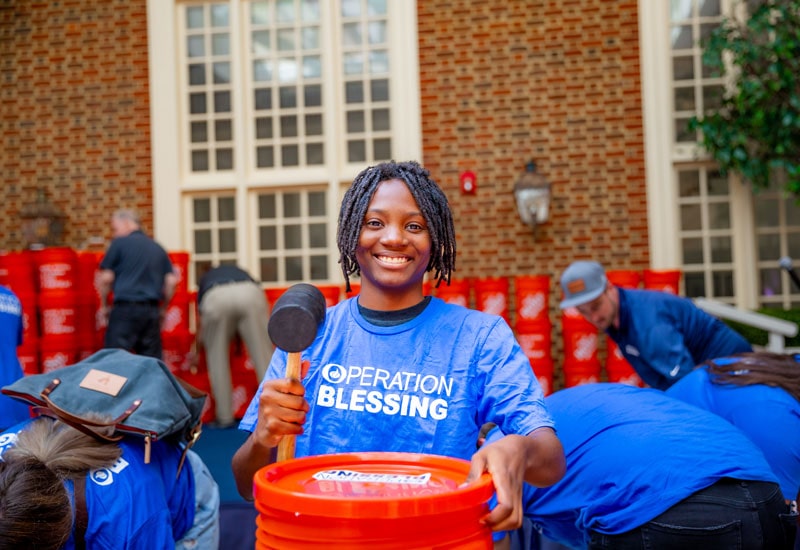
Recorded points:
537,458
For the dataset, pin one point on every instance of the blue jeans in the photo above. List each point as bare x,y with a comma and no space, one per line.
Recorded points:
729,515
204,532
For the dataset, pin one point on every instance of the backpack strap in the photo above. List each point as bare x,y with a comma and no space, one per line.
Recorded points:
81,514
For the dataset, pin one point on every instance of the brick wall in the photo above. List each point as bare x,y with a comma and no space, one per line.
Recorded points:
74,113
557,81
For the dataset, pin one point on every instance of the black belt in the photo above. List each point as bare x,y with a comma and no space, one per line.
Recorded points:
136,302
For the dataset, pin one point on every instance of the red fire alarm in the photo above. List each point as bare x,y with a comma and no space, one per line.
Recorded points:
469,183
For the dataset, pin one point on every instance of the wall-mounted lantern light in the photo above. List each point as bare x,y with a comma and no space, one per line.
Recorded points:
532,193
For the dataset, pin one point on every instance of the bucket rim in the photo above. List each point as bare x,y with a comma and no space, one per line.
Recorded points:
271,492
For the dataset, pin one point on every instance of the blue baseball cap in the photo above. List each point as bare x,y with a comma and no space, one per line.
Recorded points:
582,282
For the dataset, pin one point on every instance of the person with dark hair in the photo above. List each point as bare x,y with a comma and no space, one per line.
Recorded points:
759,393
394,370
140,273
11,330
63,489
230,303
645,470
661,335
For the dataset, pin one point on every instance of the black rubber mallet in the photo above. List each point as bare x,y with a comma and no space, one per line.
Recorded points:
293,325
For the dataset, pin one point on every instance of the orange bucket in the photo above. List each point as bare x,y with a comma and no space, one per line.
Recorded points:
457,292
383,501
665,280
491,296
532,298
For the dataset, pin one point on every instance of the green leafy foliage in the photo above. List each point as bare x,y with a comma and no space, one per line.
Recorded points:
755,132
759,337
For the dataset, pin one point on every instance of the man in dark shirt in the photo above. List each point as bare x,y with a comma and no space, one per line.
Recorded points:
231,302
139,272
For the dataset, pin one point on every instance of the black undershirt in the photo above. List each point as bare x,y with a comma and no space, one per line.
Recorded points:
393,318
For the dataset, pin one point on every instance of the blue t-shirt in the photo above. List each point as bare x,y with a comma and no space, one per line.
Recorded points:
134,505
769,416
664,336
632,453
423,386
12,411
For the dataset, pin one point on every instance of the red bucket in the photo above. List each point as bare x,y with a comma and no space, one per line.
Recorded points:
532,298
665,280
57,352
544,369
618,369
382,501
18,272
331,293
58,313
581,372
457,292
624,278
180,266
58,269
491,296
176,315
535,339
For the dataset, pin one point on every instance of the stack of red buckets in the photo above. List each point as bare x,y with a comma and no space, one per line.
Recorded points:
533,326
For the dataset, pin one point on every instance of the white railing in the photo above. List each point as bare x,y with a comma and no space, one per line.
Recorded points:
778,329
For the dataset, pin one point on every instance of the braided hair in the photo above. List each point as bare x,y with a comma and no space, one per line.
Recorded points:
429,197
777,370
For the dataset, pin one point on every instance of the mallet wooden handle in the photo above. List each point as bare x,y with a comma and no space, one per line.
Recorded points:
286,445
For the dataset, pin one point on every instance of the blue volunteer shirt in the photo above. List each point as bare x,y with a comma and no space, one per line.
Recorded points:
12,411
423,386
632,453
664,336
133,505
769,416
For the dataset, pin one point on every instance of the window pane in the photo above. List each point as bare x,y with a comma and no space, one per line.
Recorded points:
223,130
197,75
202,210
195,47
692,251
313,125
682,133
262,70
292,236
266,206
264,128
682,37
261,42
226,209
197,103
269,270
285,11
691,218
769,246
766,212
315,154
380,89
219,15
717,184
294,268
354,92
312,95
287,70
382,149
684,99
265,157
351,8
220,44
356,151
377,32
376,7
222,73
378,62
291,205
200,161
263,99
723,283
683,68
316,203
267,238
694,285
286,40
290,155
310,38
310,10
224,159
355,121
709,8
222,102
351,34
770,280
719,216
287,97
317,235
312,66
227,240
259,13
202,241
199,132
353,63
689,183
721,250
288,126
319,268
195,18
380,120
